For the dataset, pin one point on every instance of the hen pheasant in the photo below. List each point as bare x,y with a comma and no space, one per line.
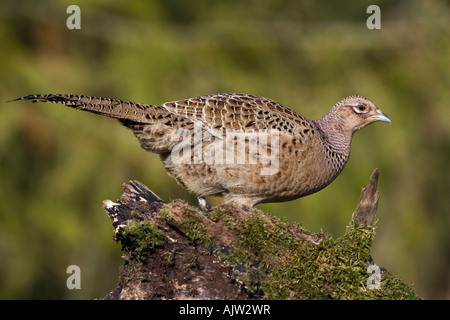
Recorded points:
245,148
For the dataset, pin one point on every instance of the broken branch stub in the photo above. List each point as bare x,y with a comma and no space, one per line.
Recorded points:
368,202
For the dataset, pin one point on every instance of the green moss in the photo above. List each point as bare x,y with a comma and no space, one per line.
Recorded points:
169,256
190,260
192,225
144,235
289,267
193,229
166,215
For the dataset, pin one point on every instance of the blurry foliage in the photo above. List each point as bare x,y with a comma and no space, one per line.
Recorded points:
58,165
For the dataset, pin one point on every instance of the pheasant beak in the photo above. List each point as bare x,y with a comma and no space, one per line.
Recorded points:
380,116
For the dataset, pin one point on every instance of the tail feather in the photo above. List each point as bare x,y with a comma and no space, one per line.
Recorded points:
124,110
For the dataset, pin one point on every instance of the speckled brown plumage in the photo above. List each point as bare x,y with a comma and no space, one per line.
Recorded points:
294,156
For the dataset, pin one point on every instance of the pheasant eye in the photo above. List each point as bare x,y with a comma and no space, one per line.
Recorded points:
360,109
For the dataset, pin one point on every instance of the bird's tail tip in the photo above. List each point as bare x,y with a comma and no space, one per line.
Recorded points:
32,97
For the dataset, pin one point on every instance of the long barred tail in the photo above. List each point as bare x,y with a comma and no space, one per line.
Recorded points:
113,108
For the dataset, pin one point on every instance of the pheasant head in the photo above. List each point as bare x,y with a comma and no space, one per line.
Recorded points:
348,116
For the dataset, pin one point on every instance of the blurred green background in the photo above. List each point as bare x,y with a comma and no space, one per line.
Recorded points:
57,165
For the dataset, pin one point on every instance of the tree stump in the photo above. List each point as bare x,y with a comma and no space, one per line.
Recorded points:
178,251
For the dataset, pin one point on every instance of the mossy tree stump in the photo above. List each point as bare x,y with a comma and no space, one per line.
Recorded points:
177,251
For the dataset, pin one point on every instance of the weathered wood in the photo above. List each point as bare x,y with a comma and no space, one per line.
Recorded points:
368,202
177,251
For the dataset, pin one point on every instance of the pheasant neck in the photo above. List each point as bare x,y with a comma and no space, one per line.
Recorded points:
338,138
